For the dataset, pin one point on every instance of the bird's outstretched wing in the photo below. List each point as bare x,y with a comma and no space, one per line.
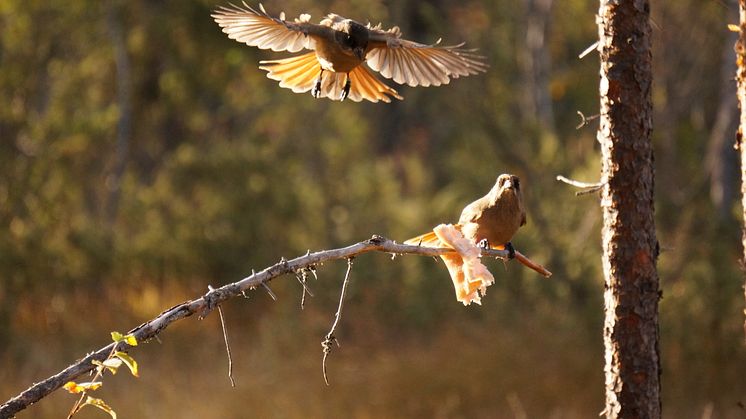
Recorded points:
258,29
415,64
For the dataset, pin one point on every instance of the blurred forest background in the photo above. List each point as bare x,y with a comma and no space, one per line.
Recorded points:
143,156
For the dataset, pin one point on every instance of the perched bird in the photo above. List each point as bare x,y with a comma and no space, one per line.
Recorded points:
339,47
491,220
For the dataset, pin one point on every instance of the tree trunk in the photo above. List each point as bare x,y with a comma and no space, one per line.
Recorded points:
630,247
741,80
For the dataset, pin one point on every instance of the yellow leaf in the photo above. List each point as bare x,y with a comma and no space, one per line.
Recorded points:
734,28
129,361
71,386
74,387
129,339
111,364
101,405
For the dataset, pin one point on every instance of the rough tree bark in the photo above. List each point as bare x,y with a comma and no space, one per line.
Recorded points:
741,93
630,248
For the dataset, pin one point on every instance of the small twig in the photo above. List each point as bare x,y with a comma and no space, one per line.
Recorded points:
531,264
77,404
585,120
589,191
269,291
99,372
227,345
311,269
587,187
302,280
330,338
588,50
577,183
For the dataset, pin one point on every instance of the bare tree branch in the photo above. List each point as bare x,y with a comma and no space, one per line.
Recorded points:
585,120
591,48
587,187
203,305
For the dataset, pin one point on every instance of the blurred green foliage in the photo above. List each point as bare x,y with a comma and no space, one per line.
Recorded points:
143,156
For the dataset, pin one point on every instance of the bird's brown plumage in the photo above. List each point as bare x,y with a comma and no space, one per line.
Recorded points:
340,48
494,217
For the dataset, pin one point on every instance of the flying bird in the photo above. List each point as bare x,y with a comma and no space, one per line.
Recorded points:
491,220
339,47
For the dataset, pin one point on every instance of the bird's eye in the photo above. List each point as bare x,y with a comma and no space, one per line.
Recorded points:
517,183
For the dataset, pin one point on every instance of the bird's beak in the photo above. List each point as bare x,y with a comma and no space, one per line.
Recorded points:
508,184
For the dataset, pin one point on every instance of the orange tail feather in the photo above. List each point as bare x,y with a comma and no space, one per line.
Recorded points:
300,73
297,73
427,240
364,85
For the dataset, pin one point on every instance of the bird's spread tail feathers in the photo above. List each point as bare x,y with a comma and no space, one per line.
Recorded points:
364,85
429,239
470,277
300,73
297,73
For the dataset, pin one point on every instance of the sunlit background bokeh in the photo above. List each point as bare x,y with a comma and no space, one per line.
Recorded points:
144,156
